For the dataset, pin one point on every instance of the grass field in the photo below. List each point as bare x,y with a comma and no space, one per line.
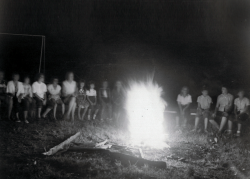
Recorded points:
190,155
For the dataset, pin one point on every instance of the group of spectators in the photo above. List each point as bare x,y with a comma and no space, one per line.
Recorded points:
227,110
33,99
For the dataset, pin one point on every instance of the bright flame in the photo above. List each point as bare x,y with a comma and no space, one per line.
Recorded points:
145,108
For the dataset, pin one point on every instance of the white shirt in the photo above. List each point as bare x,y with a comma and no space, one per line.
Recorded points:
11,88
204,101
55,92
184,100
241,104
39,88
27,90
91,92
69,87
224,100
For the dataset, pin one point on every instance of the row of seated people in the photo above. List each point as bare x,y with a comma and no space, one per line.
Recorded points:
21,96
227,110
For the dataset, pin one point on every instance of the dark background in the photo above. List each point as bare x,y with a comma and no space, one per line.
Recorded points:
191,43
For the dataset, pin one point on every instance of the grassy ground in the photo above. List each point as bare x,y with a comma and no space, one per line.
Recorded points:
190,156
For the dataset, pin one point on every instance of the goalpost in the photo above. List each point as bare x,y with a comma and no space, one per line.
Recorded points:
42,53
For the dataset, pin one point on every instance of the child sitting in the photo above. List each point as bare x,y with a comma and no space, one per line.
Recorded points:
240,115
184,100
28,101
81,99
203,111
15,92
54,92
92,98
39,90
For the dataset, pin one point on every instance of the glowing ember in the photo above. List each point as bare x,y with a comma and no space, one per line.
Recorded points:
145,108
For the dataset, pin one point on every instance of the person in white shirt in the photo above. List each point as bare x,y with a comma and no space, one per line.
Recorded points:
69,90
15,92
184,100
54,99
222,110
28,102
203,111
104,97
241,113
92,98
39,90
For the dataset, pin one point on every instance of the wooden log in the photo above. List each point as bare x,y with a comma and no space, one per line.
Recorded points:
126,160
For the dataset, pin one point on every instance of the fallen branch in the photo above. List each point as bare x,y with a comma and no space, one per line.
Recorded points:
62,145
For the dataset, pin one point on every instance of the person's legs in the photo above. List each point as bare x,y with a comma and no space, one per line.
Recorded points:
26,107
238,130
110,110
214,123
73,112
17,117
205,124
96,111
230,126
222,124
103,110
63,108
79,112
84,112
72,104
10,106
54,111
89,112
197,119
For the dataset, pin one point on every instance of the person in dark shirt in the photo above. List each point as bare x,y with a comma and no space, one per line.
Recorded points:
2,90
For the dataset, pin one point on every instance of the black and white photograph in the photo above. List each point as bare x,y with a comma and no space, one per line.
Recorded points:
124,89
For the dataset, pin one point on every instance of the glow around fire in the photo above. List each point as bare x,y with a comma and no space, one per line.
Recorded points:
145,108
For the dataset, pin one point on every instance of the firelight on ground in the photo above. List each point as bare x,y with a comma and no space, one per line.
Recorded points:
145,108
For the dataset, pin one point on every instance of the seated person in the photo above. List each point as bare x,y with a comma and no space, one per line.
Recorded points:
92,98
15,92
54,92
28,102
39,90
222,109
203,111
104,97
240,115
81,99
69,90
2,90
184,100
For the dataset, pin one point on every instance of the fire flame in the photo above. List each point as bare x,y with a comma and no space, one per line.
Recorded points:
145,108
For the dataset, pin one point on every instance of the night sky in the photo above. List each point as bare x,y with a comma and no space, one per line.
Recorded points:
187,42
